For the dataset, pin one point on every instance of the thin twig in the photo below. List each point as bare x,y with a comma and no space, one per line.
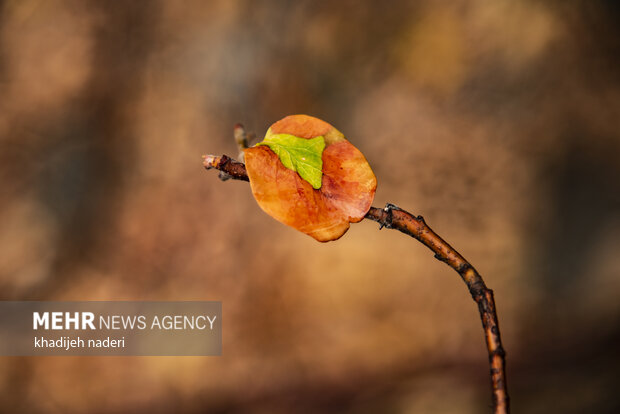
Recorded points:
228,167
393,217
241,139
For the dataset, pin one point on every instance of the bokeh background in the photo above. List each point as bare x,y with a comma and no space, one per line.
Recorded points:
499,121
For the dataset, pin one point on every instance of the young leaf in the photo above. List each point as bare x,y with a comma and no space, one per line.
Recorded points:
299,154
322,209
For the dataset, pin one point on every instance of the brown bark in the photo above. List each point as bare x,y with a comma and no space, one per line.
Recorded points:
228,167
392,217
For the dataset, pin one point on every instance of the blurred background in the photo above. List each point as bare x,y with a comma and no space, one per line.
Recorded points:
498,121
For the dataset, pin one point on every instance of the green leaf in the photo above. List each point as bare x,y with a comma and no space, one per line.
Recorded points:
299,154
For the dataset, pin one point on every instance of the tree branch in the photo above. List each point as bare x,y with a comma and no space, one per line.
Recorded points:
392,217
228,167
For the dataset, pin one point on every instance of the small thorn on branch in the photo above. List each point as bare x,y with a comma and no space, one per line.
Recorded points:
387,221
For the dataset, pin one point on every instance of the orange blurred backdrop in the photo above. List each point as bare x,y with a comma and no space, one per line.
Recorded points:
496,121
